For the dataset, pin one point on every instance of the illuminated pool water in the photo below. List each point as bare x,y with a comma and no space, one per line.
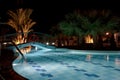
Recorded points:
65,64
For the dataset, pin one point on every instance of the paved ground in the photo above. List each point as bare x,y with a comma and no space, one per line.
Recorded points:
6,70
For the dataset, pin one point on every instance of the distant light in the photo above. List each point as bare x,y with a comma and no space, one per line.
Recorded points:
15,64
4,43
107,33
62,44
47,43
53,43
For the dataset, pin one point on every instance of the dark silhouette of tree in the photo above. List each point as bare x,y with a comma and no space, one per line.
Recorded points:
94,23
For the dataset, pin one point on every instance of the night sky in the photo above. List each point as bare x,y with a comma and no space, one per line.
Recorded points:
49,12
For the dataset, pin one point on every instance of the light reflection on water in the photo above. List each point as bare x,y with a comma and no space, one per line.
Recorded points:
117,61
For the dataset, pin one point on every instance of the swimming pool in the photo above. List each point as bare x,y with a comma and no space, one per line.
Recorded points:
65,64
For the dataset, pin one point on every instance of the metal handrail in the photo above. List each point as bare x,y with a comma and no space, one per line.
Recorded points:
1,77
16,48
19,51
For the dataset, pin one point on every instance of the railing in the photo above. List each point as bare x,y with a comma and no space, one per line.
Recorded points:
3,44
6,40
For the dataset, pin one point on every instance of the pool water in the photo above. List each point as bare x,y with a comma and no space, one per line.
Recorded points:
70,65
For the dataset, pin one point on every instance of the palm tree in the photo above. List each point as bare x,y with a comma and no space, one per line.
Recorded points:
92,23
21,22
98,24
71,27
